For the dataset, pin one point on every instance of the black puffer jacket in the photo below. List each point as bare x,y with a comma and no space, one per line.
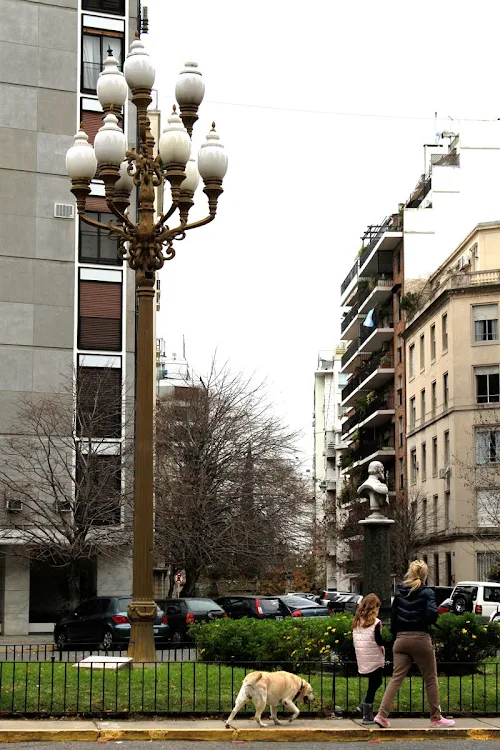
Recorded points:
413,610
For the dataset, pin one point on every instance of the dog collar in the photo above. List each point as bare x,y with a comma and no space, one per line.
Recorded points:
299,690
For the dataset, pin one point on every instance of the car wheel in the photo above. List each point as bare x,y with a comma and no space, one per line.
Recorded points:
61,641
460,605
107,640
177,636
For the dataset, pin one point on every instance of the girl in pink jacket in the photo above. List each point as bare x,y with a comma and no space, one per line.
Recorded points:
370,651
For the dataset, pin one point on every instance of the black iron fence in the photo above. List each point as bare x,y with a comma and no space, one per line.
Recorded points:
50,652
62,688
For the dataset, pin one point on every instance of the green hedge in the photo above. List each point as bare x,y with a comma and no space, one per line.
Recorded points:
296,641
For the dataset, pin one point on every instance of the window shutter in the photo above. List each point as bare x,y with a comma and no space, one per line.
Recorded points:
485,312
100,315
99,405
105,6
91,122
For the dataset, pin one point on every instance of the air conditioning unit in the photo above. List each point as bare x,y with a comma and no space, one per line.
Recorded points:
463,262
14,506
64,211
322,485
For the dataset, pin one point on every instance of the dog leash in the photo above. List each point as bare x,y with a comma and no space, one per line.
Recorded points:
299,690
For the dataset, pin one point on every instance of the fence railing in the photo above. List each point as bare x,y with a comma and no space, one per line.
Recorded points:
49,652
210,689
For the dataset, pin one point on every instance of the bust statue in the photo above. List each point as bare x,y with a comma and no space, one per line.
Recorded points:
375,488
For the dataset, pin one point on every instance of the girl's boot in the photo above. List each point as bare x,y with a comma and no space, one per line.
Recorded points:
368,713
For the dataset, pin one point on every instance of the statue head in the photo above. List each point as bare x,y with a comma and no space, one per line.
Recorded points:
377,469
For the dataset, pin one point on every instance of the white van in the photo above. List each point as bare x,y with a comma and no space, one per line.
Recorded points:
480,597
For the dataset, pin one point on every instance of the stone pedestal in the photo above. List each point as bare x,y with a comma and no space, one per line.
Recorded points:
377,561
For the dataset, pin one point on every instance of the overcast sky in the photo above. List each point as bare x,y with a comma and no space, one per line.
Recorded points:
323,108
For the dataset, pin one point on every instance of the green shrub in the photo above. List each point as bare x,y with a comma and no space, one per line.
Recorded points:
463,638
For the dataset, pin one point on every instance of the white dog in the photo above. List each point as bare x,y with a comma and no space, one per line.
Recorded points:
271,688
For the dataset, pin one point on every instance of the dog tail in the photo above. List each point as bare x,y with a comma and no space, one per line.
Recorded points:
253,678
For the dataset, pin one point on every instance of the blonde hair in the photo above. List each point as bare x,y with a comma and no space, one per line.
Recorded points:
416,575
366,612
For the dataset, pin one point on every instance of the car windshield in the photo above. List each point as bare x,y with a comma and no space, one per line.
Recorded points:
198,606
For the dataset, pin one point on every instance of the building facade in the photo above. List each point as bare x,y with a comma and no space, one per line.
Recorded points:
327,480
452,384
67,303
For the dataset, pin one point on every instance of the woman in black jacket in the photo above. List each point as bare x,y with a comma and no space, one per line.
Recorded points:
414,610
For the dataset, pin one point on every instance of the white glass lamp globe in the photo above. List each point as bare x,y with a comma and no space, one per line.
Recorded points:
192,177
125,181
81,161
138,68
175,143
112,87
190,89
110,143
212,159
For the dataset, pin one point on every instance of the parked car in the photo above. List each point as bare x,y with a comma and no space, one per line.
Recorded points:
300,607
302,595
331,596
260,607
495,615
103,619
445,606
480,597
342,602
351,604
182,613
441,593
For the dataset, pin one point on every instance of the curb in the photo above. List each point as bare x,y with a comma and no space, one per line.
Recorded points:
93,734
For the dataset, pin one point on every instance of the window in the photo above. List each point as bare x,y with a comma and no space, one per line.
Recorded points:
98,489
424,516
444,332
436,569
105,6
422,353
399,306
488,507
100,307
400,432
424,558
422,406
433,342
400,390
95,245
487,384
424,462
401,474
400,349
412,360
413,413
445,391
435,501
95,46
485,561
413,465
99,402
449,577
487,446
446,449
485,318
433,398
434,456
447,509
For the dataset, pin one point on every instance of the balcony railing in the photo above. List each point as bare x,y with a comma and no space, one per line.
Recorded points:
368,447
376,361
375,231
349,317
383,401
386,322
350,276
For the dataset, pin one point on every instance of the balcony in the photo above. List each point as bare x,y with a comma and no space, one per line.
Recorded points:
381,238
375,293
349,284
374,373
349,326
375,412
371,339
380,449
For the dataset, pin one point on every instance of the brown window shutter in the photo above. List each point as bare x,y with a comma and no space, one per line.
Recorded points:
96,203
100,321
99,402
91,122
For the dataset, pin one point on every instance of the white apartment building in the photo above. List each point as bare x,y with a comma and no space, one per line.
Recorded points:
327,421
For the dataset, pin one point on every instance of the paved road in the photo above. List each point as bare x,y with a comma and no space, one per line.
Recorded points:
182,745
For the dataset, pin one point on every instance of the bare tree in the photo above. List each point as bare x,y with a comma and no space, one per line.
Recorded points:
412,529
229,497
62,475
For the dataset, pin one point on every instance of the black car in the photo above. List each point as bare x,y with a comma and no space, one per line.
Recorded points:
103,620
301,607
441,593
182,613
258,607
345,603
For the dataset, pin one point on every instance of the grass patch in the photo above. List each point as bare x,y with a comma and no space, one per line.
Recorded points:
202,688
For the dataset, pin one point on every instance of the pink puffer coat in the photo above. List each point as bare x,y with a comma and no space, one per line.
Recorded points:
368,653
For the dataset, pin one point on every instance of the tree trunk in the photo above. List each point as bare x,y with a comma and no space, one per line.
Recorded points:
73,584
192,575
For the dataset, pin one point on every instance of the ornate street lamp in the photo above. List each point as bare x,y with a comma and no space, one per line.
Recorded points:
145,245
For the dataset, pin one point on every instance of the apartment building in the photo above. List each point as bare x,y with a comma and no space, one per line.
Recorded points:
453,431
67,302
327,480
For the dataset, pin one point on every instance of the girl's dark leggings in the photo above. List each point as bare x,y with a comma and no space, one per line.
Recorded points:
374,682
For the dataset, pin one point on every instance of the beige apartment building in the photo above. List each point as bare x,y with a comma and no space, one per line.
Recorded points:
453,410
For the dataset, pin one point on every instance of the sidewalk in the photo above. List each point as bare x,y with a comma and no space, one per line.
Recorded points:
338,730
26,640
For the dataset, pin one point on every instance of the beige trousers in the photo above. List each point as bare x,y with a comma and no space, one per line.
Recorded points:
409,648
